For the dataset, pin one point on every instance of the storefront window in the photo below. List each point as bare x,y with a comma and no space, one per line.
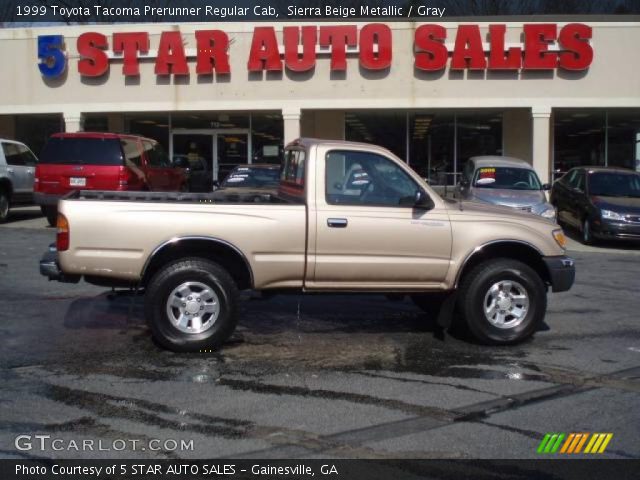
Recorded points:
35,130
440,143
579,139
623,139
150,125
478,133
95,123
432,149
596,137
267,142
385,128
210,120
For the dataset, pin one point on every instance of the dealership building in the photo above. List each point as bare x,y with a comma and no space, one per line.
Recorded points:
555,93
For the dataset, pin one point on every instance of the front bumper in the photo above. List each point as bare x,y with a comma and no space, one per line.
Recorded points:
50,268
562,272
616,230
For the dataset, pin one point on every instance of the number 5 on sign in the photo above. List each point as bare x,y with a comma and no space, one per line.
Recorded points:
53,61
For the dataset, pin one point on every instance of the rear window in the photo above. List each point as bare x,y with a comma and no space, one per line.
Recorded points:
82,151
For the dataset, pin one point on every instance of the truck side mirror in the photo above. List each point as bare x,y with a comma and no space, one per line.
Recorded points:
423,201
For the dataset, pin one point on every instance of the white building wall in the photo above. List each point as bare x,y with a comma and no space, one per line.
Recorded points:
613,80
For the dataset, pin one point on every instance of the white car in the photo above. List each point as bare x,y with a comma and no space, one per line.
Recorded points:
17,170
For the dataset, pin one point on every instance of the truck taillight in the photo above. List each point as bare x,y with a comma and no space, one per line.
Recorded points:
62,235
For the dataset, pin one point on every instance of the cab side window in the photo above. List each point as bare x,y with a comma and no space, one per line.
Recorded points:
364,178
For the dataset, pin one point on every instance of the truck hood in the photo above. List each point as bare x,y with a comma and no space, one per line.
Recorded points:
485,210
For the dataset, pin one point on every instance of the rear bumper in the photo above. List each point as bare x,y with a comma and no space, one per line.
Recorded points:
46,199
50,268
562,272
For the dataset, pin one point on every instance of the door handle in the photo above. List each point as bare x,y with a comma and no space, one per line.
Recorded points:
337,222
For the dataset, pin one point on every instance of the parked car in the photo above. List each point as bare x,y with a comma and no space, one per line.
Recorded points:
17,165
600,202
102,161
391,234
505,181
252,183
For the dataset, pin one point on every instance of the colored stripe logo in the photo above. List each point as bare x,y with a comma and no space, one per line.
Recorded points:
574,443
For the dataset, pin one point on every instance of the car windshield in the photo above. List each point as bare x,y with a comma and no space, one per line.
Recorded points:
614,184
506,177
253,177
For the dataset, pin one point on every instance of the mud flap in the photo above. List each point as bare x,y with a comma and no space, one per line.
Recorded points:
445,315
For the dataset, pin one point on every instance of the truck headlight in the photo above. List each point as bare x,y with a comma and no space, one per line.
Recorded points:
609,215
549,213
560,238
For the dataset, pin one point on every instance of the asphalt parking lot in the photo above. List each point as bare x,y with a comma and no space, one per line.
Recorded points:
313,377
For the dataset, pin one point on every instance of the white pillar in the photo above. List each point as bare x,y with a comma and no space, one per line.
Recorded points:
541,146
291,118
73,122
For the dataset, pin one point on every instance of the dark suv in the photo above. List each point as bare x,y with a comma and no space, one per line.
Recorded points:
102,161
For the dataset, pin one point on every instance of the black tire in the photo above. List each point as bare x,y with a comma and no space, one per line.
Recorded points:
429,303
5,206
587,235
475,291
196,271
51,213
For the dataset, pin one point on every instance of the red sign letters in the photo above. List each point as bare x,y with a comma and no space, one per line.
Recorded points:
545,47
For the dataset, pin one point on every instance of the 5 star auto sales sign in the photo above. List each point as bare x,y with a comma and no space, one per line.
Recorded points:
545,46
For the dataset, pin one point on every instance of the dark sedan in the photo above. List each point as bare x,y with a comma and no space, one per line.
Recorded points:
250,183
601,202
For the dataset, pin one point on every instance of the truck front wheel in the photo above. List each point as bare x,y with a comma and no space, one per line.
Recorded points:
502,301
191,305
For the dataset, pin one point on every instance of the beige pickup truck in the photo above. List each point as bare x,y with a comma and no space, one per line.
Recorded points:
347,217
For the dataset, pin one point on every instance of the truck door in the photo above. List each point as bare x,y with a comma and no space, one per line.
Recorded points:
368,233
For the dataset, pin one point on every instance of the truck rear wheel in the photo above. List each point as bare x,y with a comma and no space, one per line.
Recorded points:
191,305
502,301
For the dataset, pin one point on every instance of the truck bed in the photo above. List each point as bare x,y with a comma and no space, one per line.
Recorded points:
215,197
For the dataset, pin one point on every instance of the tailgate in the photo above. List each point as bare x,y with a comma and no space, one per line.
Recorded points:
61,179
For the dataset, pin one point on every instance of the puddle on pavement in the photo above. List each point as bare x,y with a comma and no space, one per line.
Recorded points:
283,335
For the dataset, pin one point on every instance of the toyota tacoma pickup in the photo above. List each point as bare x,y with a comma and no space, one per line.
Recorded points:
346,217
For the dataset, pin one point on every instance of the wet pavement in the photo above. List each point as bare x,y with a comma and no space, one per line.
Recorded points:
314,376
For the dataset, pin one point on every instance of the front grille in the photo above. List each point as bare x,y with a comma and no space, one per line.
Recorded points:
633,218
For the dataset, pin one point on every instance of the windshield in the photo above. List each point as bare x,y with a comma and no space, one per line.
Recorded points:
253,177
506,177
614,184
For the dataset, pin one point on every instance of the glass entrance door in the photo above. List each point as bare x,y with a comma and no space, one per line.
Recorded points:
232,150
209,154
